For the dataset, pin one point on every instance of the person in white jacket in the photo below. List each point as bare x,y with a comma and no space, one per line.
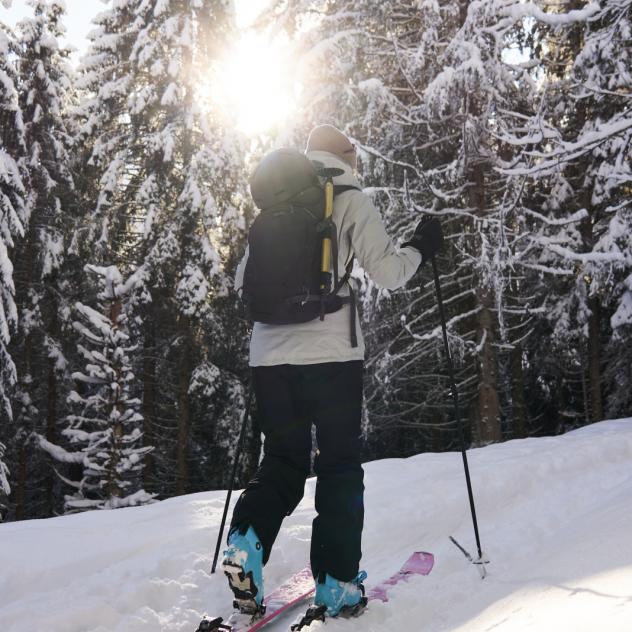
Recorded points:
310,374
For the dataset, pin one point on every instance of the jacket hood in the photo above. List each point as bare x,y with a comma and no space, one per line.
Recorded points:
331,160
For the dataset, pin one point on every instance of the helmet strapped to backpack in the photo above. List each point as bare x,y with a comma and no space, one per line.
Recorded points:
285,176
283,281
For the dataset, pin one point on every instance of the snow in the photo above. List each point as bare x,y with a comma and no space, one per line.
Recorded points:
555,515
4,473
623,315
161,7
171,95
58,453
530,9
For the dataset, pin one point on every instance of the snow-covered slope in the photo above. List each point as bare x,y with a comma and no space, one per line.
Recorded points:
555,516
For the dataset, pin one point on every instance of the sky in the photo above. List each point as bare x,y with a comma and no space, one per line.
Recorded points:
77,21
79,14
244,69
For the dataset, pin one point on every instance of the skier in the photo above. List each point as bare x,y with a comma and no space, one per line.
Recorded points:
311,373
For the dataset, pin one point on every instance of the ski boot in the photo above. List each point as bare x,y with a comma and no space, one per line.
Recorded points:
334,598
341,598
243,566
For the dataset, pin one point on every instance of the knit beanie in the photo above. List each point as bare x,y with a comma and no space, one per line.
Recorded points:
329,138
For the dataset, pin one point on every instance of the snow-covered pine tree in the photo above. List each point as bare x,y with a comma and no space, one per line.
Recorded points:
171,183
5,487
602,87
104,434
45,92
13,218
579,163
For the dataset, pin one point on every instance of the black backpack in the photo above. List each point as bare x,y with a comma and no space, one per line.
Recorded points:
283,281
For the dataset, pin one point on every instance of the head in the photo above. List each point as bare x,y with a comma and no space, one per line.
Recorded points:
329,138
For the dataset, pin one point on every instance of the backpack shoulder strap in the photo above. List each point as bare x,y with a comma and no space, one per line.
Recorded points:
341,188
351,300
345,277
338,283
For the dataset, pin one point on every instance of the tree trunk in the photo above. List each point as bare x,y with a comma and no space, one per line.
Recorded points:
113,487
24,425
488,409
595,412
20,488
182,476
51,409
51,418
585,395
594,360
184,323
488,417
23,354
519,408
149,399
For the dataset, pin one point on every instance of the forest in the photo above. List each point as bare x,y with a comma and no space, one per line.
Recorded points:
125,207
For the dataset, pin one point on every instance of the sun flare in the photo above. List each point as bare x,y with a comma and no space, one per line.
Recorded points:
252,84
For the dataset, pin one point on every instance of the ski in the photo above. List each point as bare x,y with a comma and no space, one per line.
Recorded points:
419,563
288,595
300,587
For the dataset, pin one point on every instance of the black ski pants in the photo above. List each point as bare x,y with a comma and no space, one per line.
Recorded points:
290,398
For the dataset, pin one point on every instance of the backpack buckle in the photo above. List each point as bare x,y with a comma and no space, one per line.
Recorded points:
325,226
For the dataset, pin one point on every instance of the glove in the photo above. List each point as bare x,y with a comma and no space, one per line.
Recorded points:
427,238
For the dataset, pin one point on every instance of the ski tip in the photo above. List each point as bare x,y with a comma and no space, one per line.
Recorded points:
419,563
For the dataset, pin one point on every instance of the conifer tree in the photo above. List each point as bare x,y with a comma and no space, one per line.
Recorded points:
580,140
45,93
104,434
13,218
168,208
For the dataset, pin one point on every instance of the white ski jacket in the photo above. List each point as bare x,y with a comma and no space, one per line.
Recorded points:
360,233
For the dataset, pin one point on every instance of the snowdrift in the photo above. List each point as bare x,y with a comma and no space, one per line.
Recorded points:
555,517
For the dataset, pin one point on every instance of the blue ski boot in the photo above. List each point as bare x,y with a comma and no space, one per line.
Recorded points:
243,565
341,598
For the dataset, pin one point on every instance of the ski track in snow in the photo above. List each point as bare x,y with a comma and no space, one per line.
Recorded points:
555,517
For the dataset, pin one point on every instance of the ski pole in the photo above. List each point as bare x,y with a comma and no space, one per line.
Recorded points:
455,398
242,432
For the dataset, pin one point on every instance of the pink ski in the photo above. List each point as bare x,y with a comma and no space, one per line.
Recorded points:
298,588
289,594
419,563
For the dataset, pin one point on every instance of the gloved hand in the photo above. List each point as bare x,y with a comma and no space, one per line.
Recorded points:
427,238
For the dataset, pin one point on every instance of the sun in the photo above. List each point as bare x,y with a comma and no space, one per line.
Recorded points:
252,84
